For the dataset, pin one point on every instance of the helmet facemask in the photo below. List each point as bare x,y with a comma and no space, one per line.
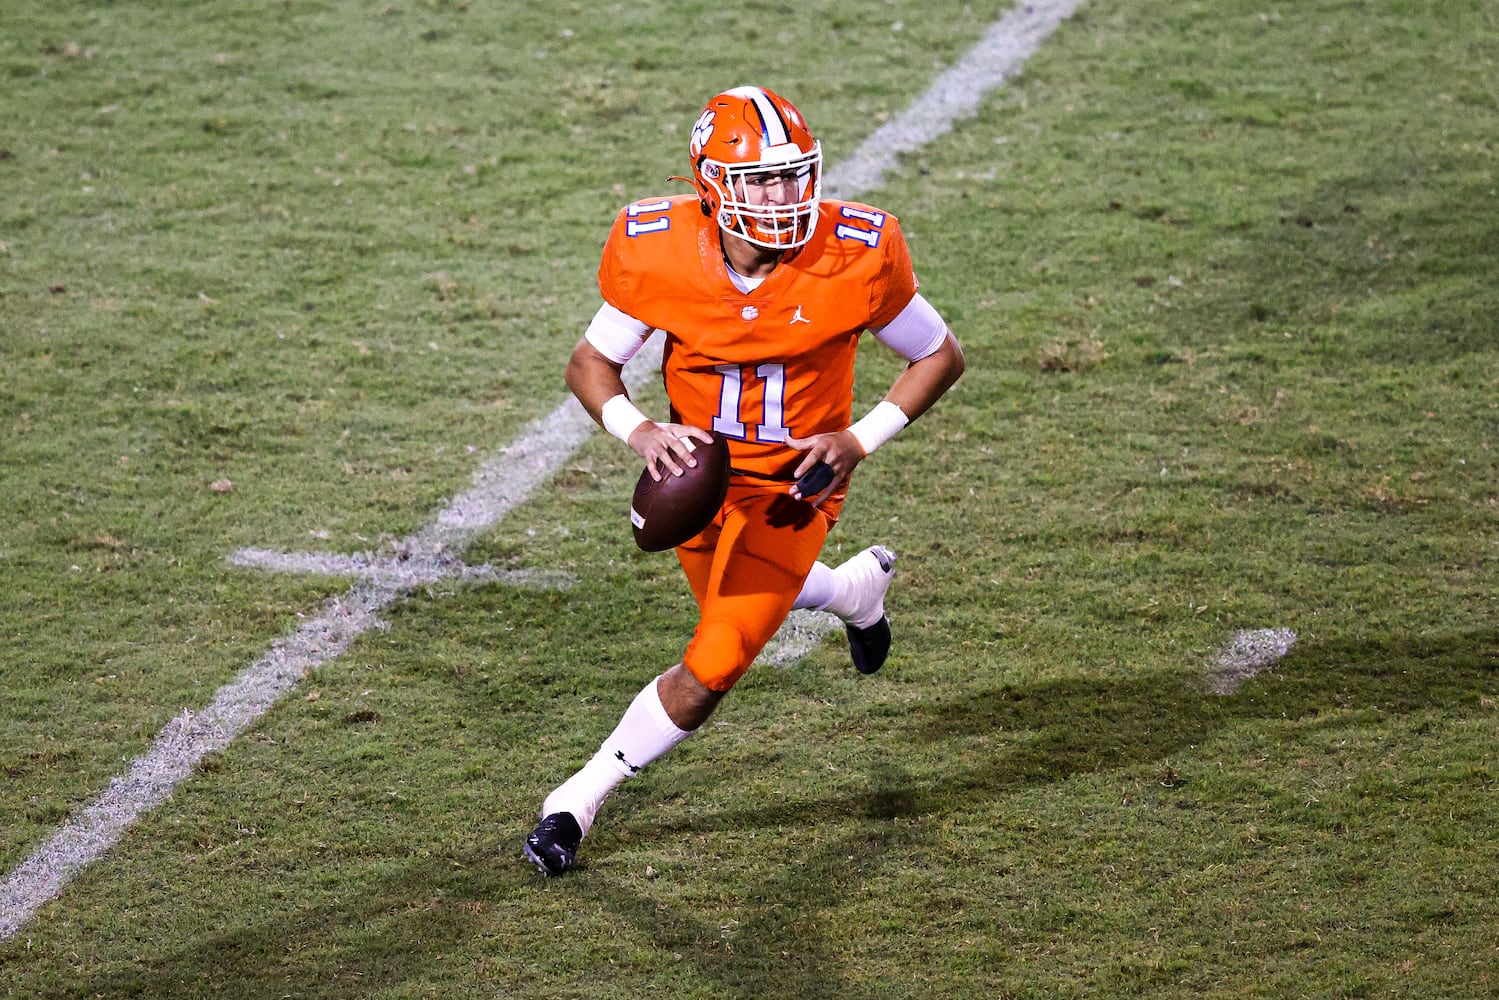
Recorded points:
771,203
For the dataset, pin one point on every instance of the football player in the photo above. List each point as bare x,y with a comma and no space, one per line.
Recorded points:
762,289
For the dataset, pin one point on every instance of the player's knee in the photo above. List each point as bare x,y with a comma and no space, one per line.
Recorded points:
718,654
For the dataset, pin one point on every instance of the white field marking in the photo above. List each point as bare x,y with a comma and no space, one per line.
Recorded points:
1247,653
798,635
400,572
503,482
955,95
151,778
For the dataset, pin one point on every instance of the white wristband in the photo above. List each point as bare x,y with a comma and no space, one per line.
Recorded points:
620,417
879,425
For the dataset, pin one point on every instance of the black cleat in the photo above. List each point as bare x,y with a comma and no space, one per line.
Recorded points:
553,845
862,584
869,646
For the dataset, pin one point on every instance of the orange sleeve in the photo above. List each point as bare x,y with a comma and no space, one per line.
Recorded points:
650,258
615,283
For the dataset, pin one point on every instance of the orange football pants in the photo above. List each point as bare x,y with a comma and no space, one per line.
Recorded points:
746,569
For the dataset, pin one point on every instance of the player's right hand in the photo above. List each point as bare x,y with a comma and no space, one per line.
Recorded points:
665,447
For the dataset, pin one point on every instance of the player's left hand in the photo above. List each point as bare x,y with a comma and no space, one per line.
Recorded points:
839,451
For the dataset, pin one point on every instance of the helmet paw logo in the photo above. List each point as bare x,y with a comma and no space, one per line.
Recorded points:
703,130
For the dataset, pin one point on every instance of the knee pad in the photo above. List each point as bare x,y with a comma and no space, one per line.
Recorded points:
717,655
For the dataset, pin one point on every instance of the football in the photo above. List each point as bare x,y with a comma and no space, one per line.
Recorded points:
667,513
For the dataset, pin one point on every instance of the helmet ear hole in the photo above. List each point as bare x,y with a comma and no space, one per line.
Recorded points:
704,196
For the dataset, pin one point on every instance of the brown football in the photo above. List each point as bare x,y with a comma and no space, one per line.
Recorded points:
667,513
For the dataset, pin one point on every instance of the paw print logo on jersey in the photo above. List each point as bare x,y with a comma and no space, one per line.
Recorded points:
703,130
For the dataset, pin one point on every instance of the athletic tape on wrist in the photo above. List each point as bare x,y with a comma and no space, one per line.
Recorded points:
619,417
879,425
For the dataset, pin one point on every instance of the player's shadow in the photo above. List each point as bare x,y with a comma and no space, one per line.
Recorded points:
395,935
1048,732
1070,727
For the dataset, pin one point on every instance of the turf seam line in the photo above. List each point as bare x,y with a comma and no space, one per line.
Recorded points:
502,483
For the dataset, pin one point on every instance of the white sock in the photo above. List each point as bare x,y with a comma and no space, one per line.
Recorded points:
644,733
818,589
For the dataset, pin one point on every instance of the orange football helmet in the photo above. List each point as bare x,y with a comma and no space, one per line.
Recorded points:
757,168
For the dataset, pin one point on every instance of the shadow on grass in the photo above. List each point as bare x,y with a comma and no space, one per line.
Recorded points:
1079,727
374,941
1429,292
1087,726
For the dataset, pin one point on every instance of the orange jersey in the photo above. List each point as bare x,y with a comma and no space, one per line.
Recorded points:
777,360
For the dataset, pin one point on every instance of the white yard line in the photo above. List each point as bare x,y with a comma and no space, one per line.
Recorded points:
955,95
502,483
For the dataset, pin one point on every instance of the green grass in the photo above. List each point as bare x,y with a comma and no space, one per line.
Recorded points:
282,275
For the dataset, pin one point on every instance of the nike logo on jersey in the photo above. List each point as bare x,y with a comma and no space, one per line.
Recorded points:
799,318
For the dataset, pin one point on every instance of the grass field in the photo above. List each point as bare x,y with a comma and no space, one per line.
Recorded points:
285,275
